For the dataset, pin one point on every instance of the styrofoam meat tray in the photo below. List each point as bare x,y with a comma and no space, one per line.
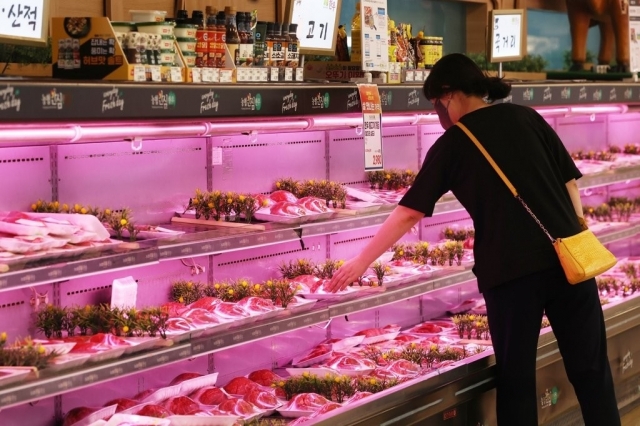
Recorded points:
203,420
296,362
292,220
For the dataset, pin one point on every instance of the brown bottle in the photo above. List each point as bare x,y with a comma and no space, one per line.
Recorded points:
212,34
202,39
292,55
221,34
232,36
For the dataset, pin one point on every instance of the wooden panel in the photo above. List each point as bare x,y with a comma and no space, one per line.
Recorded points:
554,5
62,8
118,10
477,16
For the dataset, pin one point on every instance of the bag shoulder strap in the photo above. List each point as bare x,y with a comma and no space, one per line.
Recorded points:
489,158
503,177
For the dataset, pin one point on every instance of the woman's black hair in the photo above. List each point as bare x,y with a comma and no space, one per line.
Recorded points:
457,72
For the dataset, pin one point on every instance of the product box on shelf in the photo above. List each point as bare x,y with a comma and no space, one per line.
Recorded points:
88,48
228,74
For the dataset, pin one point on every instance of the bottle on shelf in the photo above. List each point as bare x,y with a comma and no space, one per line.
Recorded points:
282,34
221,46
202,39
232,37
393,41
260,51
246,43
182,17
212,37
292,56
356,35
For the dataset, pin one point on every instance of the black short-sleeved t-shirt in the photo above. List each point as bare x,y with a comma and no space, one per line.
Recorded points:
508,242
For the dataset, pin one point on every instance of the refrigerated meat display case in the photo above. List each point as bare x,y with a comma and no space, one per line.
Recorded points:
149,147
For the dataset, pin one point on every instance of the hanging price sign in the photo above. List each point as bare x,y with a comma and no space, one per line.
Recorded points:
507,38
372,126
317,24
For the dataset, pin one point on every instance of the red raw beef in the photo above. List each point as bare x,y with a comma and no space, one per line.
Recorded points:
256,305
469,243
307,402
122,404
427,328
358,396
285,208
179,324
402,263
403,368
144,394
181,405
382,374
184,377
207,303
153,410
280,195
309,281
240,386
329,406
237,407
174,309
263,201
228,310
209,396
201,317
96,343
350,362
261,399
264,377
319,350
405,338
77,414
371,332
315,205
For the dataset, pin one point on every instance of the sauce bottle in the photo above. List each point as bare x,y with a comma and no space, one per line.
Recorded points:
269,40
232,37
202,39
260,51
221,47
212,37
293,57
242,34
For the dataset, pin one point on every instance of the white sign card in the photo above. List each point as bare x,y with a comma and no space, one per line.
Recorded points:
24,22
124,292
375,52
317,24
506,30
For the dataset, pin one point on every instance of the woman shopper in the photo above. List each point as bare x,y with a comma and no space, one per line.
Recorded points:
516,266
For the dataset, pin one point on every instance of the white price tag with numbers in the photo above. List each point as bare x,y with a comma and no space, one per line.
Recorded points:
156,74
196,75
139,73
176,74
371,126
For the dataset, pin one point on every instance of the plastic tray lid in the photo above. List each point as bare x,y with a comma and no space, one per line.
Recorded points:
162,394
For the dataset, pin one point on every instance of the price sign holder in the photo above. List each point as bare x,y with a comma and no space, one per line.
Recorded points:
507,39
371,126
24,22
317,24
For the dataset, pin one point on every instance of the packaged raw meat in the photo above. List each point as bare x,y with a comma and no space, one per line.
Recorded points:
329,406
264,377
238,407
184,376
256,305
96,343
135,420
202,318
358,396
230,311
263,201
182,405
240,386
314,205
372,332
261,399
141,396
315,355
280,195
307,283
180,324
207,303
18,223
76,414
403,368
427,328
122,404
350,363
209,395
174,309
465,306
309,402
285,208
153,410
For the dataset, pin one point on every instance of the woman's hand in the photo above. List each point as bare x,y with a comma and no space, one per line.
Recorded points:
347,274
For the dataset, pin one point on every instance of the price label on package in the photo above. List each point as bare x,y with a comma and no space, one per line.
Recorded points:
207,75
156,74
273,73
371,126
196,75
288,74
176,74
139,73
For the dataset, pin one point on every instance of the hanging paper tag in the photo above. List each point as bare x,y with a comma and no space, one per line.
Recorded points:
372,126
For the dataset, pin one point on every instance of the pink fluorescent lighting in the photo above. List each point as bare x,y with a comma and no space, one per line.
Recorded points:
600,109
545,112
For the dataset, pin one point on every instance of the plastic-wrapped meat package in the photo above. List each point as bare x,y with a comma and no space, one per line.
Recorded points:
329,406
122,404
262,399
256,305
201,317
372,332
177,325
154,410
350,362
230,311
96,343
264,377
174,309
403,368
280,195
358,396
210,395
285,208
263,201
308,283
240,386
314,205
181,405
18,223
382,374
318,351
184,377
207,303
307,402
238,407
76,414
